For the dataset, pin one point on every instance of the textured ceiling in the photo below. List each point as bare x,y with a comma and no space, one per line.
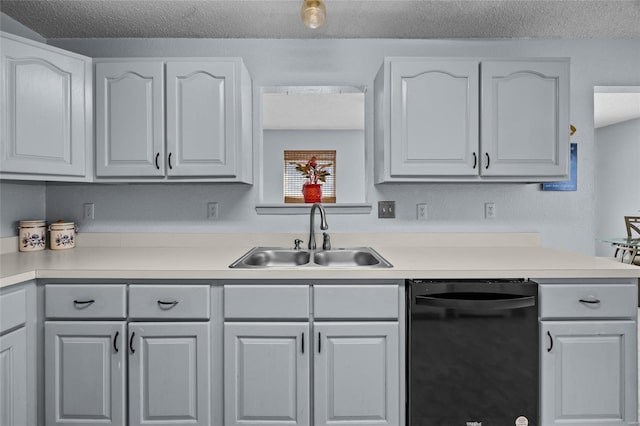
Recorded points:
345,18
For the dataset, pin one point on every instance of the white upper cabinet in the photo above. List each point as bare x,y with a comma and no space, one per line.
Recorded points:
434,118
525,118
206,108
129,119
201,118
457,120
43,94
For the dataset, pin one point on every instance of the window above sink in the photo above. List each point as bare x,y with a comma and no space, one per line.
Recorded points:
313,118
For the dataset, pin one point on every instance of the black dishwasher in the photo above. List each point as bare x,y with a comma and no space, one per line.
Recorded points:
472,357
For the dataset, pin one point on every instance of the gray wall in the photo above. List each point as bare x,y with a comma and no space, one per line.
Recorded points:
617,179
20,201
564,219
10,25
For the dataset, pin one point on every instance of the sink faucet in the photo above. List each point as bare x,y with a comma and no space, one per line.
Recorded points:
323,224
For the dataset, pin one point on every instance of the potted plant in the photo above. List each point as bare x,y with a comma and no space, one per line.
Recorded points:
313,172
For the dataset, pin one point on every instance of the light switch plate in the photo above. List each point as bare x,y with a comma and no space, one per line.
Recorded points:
386,209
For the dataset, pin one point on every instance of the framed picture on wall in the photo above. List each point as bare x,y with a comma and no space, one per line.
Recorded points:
572,183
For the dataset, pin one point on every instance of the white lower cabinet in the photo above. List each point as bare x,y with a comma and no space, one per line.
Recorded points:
102,369
588,347
268,377
587,373
13,378
356,373
266,373
18,347
336,365
169,374
85,367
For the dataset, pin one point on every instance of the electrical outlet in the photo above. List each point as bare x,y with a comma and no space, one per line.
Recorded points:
88,211
386,209
490,210
212,211
421,211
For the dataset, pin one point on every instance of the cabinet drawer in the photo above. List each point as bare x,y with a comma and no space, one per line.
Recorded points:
169,301
355,301
13,307
85,301
587,301
266,301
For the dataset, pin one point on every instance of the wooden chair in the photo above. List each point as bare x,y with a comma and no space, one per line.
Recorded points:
633,232
633,226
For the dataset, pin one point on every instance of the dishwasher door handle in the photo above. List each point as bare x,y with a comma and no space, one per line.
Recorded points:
498,304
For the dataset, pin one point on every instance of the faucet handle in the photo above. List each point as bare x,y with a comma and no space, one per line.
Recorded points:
326,241
296,243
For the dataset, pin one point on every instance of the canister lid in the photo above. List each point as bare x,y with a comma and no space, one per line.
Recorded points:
62,225
32,223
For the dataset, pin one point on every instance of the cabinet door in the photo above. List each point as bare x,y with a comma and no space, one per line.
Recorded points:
266,374
357,374
525,118
169,374
201,119
13,378
434,118
129,119
42,94
85,373
588,373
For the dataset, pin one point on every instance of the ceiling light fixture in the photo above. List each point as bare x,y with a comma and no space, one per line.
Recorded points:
313,13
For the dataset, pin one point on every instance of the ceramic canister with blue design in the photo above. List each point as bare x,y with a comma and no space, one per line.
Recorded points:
62,235
32,235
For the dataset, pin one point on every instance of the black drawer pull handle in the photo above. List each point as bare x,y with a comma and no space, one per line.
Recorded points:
157,158
302,342
591,302
167,305
488,160
82,304
115,341
133,351
475,160
170,166
550,342
319,343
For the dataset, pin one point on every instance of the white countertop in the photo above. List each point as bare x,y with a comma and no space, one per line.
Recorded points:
451,260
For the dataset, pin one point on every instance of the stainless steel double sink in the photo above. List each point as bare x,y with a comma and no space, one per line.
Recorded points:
278,257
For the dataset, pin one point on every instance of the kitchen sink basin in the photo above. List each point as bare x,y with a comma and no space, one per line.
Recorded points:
278,257
273,257
347,257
